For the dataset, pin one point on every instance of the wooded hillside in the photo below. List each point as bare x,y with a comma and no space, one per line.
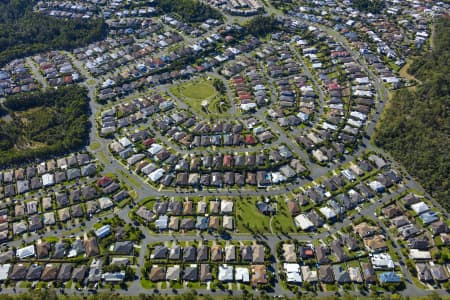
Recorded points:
189,10
42,124
372,6
415,127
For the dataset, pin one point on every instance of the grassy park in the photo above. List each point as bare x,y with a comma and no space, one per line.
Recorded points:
198,90
249,219
202,97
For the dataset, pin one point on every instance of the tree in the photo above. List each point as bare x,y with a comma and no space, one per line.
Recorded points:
411,267
261,25
221,230
219,86
130,274
372,6
191,11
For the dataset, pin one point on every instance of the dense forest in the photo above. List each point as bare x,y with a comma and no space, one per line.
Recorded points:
415,127
261,25
372,6
41,124
191,11
23,32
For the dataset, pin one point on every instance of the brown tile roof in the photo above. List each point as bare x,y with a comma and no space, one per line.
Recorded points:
216,253
259,275
376,243
91,246
157,274
50,272
79,273
42,249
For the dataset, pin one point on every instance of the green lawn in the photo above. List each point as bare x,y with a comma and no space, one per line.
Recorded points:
418,283
69,284
198,90
41,285
103,157
248,217
353,263
392,252
24,284
131,179
96,226
219,105
95,146
134,194
331,287
124,203
51,239
147,284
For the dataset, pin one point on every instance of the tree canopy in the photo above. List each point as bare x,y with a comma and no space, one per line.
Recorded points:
261,25
191,11
43,124
372,6
415,126
23,32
